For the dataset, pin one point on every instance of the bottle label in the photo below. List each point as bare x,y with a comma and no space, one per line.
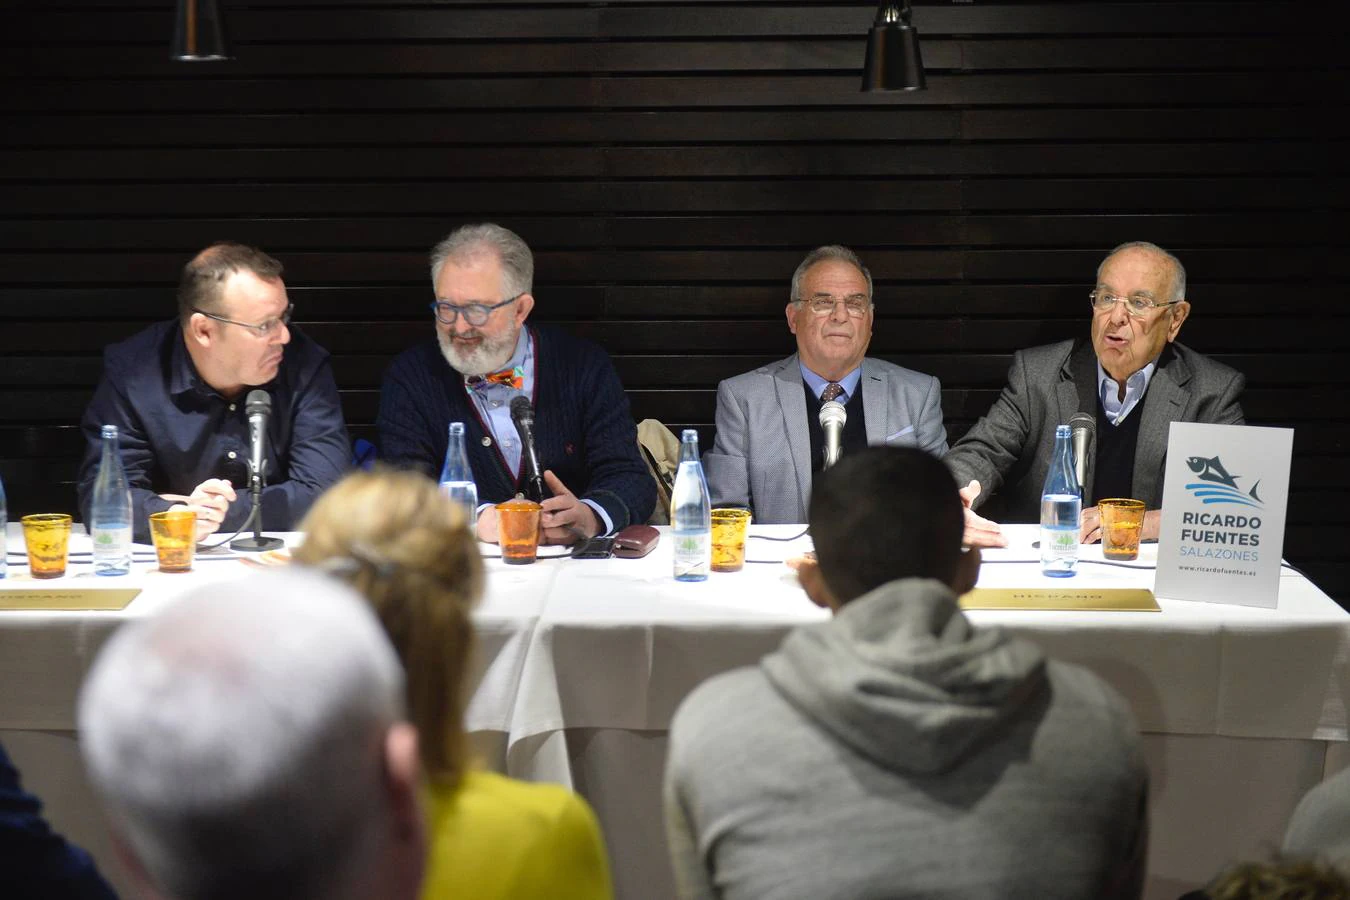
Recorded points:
1060,540
693,553
111,538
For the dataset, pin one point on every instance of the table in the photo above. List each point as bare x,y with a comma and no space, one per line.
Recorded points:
583,663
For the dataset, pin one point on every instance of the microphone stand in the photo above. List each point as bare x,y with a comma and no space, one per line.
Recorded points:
533,486
257,542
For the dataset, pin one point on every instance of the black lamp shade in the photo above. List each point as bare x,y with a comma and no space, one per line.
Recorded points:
893,62
198,33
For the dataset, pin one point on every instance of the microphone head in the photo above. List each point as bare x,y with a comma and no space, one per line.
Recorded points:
832,413
258,402
1081,421
521,410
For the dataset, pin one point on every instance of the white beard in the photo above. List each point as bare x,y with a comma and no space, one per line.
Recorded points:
489,356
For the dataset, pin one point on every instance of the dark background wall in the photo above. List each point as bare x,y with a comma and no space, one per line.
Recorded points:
670,163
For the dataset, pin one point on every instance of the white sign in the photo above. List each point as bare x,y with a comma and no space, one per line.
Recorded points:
1224,498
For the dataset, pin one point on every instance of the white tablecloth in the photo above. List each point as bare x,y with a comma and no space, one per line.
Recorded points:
584,662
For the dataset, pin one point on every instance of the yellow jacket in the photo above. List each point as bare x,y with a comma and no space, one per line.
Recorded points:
495,838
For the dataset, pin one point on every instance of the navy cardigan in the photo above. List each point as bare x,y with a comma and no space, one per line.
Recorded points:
584,430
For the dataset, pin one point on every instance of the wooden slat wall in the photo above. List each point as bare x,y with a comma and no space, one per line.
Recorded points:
670,163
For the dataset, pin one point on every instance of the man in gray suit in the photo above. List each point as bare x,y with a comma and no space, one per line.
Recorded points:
1132,377
769,443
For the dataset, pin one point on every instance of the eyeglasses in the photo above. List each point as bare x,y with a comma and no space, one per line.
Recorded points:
857,305
1136,305
261,330
473,313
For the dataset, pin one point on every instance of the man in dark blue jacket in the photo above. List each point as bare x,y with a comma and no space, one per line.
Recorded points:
36,862
484,355
176,392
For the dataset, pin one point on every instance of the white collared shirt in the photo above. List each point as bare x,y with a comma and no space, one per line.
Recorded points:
1108,390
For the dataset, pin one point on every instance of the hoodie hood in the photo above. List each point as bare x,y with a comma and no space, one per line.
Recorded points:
902,677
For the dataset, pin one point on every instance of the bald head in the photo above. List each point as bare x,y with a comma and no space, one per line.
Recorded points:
216,732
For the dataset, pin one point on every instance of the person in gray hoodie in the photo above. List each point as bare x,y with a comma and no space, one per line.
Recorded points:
896,751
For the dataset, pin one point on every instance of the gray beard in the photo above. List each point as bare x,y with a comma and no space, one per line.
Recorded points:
489,356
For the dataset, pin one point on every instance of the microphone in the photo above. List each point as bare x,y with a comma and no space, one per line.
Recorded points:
258,408
832,418
1083,427
532,477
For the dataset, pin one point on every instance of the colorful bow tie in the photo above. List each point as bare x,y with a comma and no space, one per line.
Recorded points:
513,378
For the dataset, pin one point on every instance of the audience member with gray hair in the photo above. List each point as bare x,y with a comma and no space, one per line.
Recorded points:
769,444
1128,372
483,357
250,742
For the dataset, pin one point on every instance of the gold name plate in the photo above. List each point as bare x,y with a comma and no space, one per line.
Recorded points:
83,598
1133,599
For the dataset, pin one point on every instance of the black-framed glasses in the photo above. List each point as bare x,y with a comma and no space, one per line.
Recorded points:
856,304
1137,305
473,313
262,329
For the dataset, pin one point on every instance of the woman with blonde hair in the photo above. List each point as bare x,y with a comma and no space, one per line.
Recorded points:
396,539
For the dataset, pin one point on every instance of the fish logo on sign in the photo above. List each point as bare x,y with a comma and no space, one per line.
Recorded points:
1217,486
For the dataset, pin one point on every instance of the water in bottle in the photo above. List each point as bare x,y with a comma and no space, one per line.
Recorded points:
456,476
110,511
691,514
1061,507
4,524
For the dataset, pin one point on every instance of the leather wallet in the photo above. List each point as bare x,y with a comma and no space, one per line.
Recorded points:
635,541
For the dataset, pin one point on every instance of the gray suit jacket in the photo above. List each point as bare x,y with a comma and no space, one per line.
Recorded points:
1008,451
761,456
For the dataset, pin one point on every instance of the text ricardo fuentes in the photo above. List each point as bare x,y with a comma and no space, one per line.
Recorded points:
1222,534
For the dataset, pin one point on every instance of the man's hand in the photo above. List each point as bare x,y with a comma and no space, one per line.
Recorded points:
979,531
813,583
1090,525
487,525
565,519
210,500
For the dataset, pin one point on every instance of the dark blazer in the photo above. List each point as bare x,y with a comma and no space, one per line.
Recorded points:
35,862
584,430
1008,450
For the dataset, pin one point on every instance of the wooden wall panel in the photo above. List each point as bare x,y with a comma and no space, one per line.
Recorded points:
670,162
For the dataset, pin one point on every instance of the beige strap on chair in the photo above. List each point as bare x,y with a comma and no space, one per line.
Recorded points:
660,448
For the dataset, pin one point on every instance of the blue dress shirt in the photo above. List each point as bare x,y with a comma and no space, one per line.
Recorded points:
817,384
175,431
1108,389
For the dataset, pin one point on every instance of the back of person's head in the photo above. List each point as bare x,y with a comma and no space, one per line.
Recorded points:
885,513
1282,878
407,548
247,743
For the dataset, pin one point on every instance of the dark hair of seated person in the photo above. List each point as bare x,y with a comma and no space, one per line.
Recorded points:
1282,878
885,513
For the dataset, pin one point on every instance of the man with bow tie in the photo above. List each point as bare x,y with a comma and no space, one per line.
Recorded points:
484,355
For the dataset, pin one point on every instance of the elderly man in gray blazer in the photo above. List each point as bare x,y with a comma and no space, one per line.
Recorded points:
1131,376
769,442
